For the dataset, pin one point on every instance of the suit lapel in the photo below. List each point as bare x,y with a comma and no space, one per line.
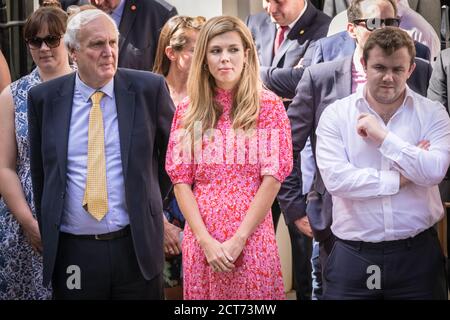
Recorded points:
268,32
62,112
125,104
343,78
298,33
127,21
287,43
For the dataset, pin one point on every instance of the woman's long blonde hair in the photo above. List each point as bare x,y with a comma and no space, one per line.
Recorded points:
201,85
174,34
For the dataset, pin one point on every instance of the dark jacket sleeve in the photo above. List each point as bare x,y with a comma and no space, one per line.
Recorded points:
284,81
301,114
165,112
36,167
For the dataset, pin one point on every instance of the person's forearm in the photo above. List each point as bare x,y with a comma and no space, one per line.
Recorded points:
189,208
12,193
423,167
259,207
5,77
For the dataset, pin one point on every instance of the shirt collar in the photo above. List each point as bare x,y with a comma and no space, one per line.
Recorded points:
357,62
118,12
86,91
361,100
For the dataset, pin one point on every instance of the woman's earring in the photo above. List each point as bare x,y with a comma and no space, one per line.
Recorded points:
205,67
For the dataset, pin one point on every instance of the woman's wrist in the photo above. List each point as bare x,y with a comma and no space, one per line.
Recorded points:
26,221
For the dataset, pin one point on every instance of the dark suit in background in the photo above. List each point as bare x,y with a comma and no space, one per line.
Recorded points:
139,32
144,111
312,26
140,26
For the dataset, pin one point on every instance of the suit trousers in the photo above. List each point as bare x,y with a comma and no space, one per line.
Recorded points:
403,269
301,246
101,270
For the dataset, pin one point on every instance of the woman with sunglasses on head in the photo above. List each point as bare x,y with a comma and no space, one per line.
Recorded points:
20,241
173,61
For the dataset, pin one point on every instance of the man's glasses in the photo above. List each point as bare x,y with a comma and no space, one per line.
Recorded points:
376,23
50,41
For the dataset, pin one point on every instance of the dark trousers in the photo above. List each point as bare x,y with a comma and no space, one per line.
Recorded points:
301,246
325,247
402,269
108,269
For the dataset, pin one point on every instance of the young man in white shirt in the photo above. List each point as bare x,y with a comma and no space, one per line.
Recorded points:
382,152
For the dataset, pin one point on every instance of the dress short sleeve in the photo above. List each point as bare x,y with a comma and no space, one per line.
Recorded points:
275,138
179,166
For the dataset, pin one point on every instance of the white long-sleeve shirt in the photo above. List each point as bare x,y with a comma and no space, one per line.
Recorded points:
364,179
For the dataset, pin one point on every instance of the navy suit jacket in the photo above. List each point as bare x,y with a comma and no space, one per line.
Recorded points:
321,85
312,26
140,26
284,81
145,111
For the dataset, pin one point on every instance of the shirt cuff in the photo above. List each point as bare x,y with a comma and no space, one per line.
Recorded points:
389,183
392,146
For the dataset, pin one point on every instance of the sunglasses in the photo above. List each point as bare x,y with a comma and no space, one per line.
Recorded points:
50,41
376,23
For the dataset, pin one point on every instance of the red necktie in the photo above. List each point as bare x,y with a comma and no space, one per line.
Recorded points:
279,38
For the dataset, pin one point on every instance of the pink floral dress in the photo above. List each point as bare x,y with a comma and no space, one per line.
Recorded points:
224,182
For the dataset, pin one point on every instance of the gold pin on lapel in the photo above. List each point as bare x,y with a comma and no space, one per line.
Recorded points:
302,32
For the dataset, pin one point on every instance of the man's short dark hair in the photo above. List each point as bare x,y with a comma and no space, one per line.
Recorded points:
354,10
389,39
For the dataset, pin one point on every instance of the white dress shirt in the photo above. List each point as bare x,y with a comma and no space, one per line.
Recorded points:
363,178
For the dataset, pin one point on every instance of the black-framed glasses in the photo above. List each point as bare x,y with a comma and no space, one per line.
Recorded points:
50,41
376,23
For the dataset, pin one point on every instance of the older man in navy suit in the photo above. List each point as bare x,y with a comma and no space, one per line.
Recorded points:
98,139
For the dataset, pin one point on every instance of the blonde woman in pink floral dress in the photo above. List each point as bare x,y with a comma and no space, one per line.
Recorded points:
229,151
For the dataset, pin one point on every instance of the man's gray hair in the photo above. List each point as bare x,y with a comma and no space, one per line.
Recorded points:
79,20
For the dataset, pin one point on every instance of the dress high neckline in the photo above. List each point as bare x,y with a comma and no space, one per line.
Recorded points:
224,98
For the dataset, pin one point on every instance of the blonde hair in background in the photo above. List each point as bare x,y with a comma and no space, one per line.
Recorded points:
201,85
173,34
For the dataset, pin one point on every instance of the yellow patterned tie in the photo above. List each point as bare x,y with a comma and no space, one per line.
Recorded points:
95,199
